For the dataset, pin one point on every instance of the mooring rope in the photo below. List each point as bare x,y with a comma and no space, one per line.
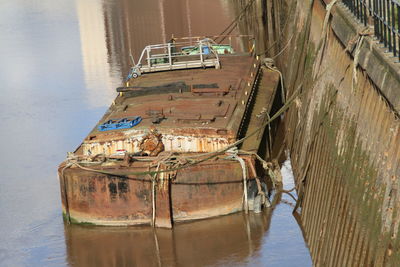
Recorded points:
265,52
153,196
270,64
316,73
360,39
233,24
284,48
266,165
233,154
324,37
299,186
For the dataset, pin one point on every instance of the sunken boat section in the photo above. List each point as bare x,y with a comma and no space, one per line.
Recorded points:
159,154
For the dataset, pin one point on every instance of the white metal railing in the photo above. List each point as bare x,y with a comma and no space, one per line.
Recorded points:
173,55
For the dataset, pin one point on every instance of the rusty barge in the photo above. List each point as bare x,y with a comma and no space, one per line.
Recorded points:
158,155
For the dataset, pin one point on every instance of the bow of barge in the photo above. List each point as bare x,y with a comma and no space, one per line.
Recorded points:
171,165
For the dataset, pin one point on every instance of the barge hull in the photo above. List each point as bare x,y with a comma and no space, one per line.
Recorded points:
196,192
186,115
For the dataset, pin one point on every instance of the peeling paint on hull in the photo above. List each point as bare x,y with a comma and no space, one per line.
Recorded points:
203,191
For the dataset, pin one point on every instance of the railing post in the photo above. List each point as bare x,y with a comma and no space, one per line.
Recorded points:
364,2
356,9
384,23
370,8
169,54
148,57
398,27
376,21
201,52
381,21
388,22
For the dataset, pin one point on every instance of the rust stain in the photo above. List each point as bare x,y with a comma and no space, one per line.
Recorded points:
152,144
110,200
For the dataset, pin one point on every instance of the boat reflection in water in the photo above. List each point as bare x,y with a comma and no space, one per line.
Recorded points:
226,240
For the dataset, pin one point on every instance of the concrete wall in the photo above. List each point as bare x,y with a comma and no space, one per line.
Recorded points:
343,135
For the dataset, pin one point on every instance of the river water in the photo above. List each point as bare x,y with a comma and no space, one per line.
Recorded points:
60,62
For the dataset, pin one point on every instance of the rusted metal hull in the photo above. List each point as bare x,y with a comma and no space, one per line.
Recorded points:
206,190
182,112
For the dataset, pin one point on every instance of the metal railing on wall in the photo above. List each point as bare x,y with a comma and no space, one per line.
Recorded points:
384,16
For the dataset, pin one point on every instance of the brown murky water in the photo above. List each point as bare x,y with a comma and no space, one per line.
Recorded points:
60,62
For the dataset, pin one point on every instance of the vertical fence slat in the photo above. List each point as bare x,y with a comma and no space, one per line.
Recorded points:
393,28
388,22
383,2
381,20
365,12
398,27
376,21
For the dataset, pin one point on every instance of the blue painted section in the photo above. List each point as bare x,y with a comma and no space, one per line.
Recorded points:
206,50
124,123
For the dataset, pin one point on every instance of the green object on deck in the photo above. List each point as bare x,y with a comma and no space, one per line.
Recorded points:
219,48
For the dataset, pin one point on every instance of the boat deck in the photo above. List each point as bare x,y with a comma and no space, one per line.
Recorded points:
199,99
195,110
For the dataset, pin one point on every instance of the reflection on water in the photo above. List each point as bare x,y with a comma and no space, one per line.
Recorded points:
60,62
271,238
100,78
226,241
131,25
229,239
112,30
